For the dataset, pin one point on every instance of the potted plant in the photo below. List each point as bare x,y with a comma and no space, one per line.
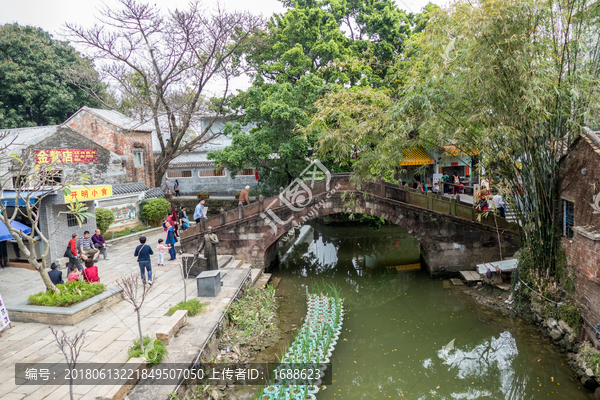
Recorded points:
203,195
237,196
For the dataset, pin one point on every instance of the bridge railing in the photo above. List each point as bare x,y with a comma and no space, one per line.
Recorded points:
340,182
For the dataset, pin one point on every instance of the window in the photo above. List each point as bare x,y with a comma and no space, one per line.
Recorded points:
138,159
206,173
179,174
568,214
72,220
52,177
18,181
246,171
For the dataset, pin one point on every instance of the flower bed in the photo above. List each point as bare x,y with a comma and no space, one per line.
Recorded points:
314,345
68,294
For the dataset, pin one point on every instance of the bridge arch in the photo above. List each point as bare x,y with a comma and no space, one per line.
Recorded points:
448,242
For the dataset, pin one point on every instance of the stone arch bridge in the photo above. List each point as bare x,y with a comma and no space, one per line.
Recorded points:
450,236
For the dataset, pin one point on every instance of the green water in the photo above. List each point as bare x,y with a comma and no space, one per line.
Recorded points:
398,322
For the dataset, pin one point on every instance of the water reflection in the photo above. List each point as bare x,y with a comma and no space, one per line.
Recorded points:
398,321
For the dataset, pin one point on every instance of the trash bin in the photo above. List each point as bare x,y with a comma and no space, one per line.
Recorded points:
209,283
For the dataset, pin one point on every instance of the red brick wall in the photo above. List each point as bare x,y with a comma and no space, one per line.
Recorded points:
583,252
120,142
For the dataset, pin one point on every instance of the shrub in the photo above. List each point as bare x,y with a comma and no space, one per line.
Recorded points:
68,294
193,306
155,210
104,218
127,231
153,354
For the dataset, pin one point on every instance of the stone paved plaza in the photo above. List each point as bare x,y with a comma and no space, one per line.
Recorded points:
108,333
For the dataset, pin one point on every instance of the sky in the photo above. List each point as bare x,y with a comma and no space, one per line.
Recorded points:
50,15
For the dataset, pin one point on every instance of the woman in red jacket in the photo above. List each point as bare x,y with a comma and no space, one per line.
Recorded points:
90,273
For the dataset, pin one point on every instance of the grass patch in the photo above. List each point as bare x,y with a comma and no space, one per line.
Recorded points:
127,231
252,315
154,351
68,294
193,306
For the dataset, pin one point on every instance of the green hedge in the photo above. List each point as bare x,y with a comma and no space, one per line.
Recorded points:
154,210
68,294
104,217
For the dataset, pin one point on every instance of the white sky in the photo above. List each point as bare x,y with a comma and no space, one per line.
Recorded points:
50,15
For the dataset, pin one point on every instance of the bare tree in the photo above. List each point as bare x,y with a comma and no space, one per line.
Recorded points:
70,347
184,269
32,184
168,62
134,292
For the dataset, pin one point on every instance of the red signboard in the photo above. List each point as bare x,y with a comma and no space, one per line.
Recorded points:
66,156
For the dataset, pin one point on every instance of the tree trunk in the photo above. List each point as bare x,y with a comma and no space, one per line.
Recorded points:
161,165
184,291
140,330
42,271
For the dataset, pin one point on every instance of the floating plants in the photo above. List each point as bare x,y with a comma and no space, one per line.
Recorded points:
304,362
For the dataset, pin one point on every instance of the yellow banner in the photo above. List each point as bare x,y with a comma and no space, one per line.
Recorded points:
86,193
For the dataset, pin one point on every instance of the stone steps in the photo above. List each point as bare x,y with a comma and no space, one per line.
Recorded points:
235,263
256,273
262,281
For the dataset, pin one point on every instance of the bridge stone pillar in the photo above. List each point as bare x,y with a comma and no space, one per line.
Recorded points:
261,203
430,200
222,216
240,210
202,225
407,190
453,206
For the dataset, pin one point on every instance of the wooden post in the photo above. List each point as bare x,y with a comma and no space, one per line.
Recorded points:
240,210
222,216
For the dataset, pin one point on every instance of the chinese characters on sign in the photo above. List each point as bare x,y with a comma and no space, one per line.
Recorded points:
66,156
86,193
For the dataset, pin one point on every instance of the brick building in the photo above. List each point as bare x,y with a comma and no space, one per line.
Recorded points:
121,135
579,191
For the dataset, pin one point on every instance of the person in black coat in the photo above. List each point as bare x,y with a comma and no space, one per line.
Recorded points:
55,275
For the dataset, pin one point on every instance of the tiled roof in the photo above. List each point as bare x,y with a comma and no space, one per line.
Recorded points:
593,138
197,164
23,137
154,193
117,119
126,188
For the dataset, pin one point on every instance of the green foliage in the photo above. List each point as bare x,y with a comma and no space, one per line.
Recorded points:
314,48
104,218
155,210
43,81
68,294
590,357
254,313
127,231
193,306
154,353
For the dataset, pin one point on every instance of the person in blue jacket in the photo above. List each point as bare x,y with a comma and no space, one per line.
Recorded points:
170,242
143,253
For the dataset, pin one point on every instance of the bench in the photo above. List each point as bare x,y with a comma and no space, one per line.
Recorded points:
173,324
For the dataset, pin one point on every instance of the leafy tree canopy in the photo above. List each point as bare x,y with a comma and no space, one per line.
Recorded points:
42,81
312,49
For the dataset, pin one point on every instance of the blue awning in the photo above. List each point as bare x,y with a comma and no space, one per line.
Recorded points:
9,196
5,234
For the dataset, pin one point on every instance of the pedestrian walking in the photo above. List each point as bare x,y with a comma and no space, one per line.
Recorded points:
143,253
71,253
160,249
171,240
199,212
245,196
499,203
167,186
99,242
175,221
176,188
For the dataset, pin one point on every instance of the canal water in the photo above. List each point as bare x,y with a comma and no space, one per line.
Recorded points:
409,336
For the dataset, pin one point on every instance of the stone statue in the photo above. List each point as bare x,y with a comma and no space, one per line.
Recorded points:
210,249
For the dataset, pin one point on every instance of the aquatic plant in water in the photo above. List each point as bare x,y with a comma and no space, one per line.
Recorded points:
314,343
